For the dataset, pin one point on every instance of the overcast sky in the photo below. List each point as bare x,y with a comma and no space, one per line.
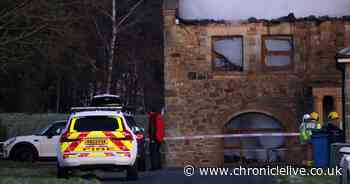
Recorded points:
267,9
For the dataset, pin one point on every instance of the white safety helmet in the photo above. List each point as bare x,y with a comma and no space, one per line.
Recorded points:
306,117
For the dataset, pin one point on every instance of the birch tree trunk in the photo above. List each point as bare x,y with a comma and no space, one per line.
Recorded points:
112,48
58,95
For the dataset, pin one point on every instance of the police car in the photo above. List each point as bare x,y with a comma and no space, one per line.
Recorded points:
97,138
109,100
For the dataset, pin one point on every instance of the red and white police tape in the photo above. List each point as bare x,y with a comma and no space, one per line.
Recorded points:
219,136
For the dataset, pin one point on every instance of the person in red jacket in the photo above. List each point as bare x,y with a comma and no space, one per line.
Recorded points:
156,136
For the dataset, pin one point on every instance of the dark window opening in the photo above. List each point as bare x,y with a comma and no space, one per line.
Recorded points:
227,53
277,52
328,106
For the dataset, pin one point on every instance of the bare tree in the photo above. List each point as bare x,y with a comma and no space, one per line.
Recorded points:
57,44
112,47
30,24
119,23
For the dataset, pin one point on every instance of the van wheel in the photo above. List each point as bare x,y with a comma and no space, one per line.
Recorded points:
131,172
62,172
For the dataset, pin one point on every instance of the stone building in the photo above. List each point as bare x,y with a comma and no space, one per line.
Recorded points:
247,76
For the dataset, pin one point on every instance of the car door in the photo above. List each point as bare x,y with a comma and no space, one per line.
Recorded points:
50,139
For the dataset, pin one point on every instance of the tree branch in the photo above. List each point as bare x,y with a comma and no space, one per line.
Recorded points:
132,10
103,39
13,10
23,36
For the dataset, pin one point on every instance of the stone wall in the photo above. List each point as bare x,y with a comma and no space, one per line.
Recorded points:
199,100
347,101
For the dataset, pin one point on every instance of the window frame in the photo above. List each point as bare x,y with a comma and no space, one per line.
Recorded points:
213,54
265,52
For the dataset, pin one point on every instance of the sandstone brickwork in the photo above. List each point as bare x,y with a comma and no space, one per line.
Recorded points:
347,100
199,100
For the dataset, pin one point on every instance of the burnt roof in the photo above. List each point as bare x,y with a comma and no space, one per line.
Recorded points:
288,18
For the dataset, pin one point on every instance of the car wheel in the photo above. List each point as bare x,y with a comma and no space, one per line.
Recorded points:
131,173
62,172
24,154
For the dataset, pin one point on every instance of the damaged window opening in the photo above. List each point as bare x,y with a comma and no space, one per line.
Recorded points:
278,52
228,53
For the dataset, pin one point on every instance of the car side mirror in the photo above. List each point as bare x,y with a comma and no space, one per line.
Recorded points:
59,131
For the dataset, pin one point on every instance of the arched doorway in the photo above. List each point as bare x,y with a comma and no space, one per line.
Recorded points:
253,149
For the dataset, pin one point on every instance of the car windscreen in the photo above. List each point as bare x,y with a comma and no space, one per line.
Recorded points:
106,101
97,123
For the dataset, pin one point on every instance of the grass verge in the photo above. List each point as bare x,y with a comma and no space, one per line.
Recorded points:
28,173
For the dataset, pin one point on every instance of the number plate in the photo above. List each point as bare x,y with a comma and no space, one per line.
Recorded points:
95,142
96,149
